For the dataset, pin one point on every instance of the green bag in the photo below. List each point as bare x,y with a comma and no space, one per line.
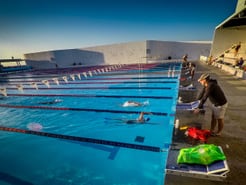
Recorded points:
204,154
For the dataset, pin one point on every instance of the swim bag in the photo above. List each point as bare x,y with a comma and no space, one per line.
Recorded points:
198,134
204,154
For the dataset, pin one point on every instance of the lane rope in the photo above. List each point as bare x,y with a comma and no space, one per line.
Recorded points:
84,139
93,96
96,78
100,82
78,109
89,88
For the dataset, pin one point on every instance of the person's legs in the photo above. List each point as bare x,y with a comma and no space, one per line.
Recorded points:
218,115
213,124
220,126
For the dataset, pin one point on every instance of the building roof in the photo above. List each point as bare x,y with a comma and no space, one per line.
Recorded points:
235,20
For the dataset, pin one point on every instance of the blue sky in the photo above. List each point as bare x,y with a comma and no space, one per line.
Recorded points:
39,25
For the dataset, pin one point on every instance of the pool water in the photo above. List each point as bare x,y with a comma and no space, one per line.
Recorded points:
106,150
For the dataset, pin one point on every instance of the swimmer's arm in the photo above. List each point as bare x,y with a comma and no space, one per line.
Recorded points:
141,116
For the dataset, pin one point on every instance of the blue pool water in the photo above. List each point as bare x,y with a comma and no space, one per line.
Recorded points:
91,109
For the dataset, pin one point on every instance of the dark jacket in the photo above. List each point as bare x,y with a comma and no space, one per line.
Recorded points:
214,93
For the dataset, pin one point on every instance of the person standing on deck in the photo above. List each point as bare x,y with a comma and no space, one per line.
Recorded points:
212,90
185,61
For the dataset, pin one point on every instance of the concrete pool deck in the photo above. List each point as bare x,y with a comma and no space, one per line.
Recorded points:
233,138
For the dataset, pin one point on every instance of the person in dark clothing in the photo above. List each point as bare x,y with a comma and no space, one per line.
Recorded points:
192,68
240,63
185,61
237,47
212,90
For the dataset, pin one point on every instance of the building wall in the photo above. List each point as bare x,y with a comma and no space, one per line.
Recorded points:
123,53
135,52
64,58
162,50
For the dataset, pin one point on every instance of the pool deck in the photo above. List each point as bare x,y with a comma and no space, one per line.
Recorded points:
233,138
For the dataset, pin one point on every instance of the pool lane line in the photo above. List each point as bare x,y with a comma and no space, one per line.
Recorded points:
93,96
137,73
89,80
100,82
85,139
58,74
112,68
77,109
89,88
122,78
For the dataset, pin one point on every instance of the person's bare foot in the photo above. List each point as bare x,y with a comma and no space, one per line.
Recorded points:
218,134
215,134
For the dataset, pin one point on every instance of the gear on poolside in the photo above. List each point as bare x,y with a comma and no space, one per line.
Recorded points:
198,134
204,154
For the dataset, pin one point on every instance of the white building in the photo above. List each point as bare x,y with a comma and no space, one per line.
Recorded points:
122,53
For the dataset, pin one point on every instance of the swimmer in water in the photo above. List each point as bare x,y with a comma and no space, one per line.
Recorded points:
134,104
35,126
140,119
51,102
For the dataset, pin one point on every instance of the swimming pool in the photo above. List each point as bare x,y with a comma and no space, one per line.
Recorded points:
85,139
